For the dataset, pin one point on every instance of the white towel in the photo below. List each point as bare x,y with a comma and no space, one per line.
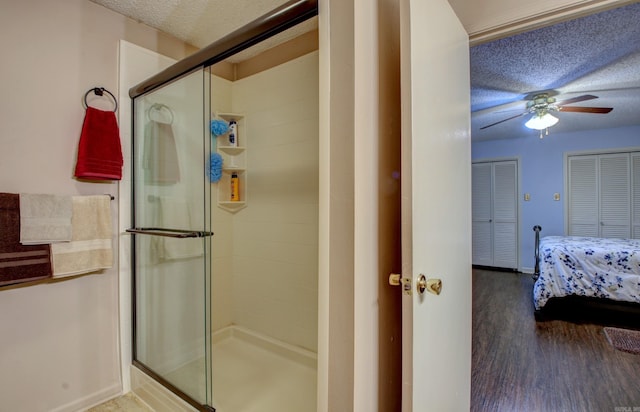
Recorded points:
44,219
176,213
160,157
90,247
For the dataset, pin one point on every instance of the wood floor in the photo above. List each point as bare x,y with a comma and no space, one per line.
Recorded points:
522,365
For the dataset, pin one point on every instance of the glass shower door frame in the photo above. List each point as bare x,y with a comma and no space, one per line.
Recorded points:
144,232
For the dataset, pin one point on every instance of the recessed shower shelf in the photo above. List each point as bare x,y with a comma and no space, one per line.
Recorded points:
231,150
234,160
233,169
232,205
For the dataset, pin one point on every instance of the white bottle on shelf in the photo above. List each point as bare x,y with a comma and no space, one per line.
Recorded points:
233,133
232,189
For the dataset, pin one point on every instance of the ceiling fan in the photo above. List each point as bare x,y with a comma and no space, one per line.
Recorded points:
541,104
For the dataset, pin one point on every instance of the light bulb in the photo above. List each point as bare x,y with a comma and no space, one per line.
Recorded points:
541,122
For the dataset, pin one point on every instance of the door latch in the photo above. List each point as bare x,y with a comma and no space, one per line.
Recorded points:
396,279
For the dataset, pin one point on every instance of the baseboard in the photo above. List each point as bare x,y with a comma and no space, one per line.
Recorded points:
292,352
91,400
495,269
528,271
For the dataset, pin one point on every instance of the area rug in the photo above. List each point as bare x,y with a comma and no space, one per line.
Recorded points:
623,339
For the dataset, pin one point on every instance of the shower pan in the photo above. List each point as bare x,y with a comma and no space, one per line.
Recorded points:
224,256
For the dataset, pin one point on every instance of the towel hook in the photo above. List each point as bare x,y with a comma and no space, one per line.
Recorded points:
99,91
159,107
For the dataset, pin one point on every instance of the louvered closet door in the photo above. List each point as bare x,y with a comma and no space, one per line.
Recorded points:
615,196
583,196
482,233
505,219
635,195
494,214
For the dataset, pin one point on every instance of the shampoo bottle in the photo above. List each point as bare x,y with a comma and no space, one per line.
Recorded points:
235,187
233,133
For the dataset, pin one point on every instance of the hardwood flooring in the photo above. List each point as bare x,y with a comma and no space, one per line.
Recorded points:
519,364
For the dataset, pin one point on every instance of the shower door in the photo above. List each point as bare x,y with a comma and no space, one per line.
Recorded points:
172,235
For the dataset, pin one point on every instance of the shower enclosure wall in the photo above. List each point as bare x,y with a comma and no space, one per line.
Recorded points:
225,291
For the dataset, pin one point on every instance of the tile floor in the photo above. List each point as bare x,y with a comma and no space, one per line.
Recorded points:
128,402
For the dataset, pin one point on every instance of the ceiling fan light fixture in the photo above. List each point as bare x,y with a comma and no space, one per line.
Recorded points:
538,122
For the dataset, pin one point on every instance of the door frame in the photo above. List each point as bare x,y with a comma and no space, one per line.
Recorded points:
343,383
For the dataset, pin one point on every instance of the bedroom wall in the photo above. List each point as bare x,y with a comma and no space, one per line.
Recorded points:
542,175
59,341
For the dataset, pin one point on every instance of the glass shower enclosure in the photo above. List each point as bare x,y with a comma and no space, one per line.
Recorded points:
172,228
172,235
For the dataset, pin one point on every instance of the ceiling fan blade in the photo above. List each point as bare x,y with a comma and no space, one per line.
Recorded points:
504,120
577,99
578,109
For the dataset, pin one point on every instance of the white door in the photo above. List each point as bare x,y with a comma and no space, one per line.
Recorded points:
495,214
583,196
505,214
635,195
600,195
436,207
615,191
481,212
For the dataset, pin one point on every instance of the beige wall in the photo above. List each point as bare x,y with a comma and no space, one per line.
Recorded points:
59,341
336,251
265,255
222,226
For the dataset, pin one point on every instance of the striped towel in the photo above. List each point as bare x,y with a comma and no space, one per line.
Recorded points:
19,263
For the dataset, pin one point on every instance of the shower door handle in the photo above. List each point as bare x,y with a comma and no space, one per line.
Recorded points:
175,233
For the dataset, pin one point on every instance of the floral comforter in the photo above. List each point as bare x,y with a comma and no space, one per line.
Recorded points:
584,266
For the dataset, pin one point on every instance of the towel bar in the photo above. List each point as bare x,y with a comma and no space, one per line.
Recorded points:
176,233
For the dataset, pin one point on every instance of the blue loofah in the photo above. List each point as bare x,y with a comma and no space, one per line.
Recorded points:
219,127
215,167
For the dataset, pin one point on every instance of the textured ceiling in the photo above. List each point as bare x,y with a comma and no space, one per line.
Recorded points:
201,22
597,54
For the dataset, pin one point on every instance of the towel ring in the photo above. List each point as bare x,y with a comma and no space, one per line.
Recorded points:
159,107
99,91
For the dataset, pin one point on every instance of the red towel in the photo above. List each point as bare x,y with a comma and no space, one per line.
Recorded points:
99,150
19,263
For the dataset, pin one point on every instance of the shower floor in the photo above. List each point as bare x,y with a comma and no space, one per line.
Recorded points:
254,375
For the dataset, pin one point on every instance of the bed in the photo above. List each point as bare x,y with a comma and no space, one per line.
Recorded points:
595,268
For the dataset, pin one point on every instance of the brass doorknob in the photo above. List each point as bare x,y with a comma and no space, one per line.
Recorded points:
431,285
